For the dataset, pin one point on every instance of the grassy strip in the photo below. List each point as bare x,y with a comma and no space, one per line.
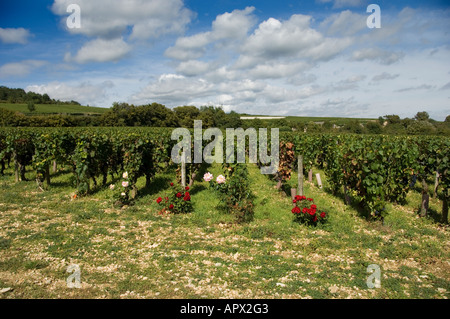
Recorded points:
137,253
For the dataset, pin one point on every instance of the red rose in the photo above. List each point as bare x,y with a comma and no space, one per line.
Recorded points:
295,210
312,212
313,206
179,195
298,198
323,215
159,200
315,219
294,201
171,184
310,199
171,206
187,188
305,210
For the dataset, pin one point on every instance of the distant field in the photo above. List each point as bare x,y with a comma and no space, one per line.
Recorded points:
53,108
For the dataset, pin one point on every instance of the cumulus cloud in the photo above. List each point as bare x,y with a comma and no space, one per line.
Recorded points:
294,38
100,50
230,26
193,67
278,70
111,18
20,69
172,89
85,93
114,23
14,35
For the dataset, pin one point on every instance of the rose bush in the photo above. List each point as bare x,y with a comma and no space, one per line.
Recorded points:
306,212
121,193
234,191
177,202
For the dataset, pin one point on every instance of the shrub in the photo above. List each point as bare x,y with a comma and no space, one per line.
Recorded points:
234,191
122,191
306,212
177,202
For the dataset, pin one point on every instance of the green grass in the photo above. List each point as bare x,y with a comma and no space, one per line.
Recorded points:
135,252
54,108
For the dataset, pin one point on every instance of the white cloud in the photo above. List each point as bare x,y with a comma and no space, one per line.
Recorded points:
226,27
193,67
100,50
85,93
293,38
20,69
278,70
172,89
111,18
14,35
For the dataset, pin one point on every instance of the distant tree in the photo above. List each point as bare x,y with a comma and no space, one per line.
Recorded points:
232,120
374,128
31,106
353,126
422,116
186,115
46,99
421,127
257,123
381,120
313,127
392,119
447,119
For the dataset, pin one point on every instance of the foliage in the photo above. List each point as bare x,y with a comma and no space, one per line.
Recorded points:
178,201
305,211
122,191
234,191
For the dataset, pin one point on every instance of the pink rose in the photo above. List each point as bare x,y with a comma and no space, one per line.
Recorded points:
208,177
220,179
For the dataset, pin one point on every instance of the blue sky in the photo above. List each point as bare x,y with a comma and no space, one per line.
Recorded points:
304,58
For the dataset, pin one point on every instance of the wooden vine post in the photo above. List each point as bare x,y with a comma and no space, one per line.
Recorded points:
319,180
183,169
300,175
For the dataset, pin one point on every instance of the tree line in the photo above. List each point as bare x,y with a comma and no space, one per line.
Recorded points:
158,115
9,95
